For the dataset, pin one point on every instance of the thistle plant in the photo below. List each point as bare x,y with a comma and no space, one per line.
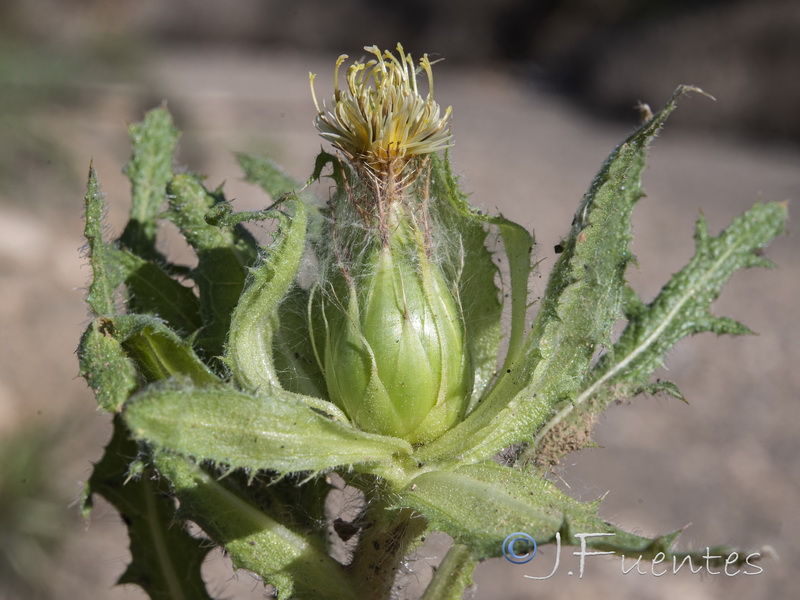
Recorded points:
373,343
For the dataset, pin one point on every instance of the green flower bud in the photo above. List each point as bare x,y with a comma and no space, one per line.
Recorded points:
388,332
394,354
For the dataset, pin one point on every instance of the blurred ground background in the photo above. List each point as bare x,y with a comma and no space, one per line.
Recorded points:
542,91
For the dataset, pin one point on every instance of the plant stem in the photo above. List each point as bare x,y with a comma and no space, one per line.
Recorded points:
386,538
453,576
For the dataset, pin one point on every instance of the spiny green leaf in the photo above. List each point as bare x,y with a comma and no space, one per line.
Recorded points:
165,559
158,351
118,354
152,291
584,296
659,386
106,367
293,356
470,265
252,537
106,274
480,513
682,307
266,174
477,288
582,301
275,431
480,504
149,170
255,318
222,258
150,288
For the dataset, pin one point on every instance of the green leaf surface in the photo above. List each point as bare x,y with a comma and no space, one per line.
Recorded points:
582,301
102,361
253,538
165,559
104,364
479,505
118,354
275,431
222,255
152,291
149,170
480,511
477,289
296,501
682,308
294,361
470,266
158,351
267,174
255,318
107,275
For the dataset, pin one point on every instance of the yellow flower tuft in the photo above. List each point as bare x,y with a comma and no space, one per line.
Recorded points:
380,119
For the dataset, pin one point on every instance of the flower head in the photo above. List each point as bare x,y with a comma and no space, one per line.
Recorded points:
380,119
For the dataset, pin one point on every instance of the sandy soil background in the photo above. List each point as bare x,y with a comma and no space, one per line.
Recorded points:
727,463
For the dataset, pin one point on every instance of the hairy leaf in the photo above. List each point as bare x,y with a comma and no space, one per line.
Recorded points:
107,275
480,504
266,174
581,303
104,364
153,291
118,354
275,431
293,352
149,170
165,559
255,318
252,537
470,266
682,308
222,258
477,288
158,351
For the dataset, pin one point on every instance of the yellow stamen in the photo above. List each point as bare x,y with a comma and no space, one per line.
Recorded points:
380,117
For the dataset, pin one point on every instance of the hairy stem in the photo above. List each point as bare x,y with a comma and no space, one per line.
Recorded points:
386,538
452,576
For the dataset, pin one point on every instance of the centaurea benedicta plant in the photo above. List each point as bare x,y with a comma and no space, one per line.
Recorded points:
365,346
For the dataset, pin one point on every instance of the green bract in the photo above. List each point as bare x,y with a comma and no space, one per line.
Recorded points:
367,341
394,352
